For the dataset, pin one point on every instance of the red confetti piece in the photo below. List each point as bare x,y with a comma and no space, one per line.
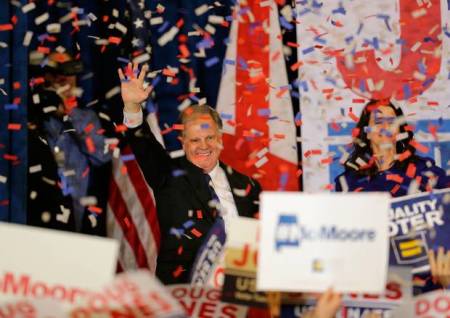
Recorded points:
121,128
14,19
4,202
124,170
17,100
432,103
199,214
276,56
419,147
177,272
293,44
404,155
282,92
395,189
166,131
85,172
10,157
89,128
411,170
196,232
353,116
43,49
95,209
296,65
180,250
114,40
177,127
16,85
326,161
12,126
6,27
90,145
394,177
358,101
279,136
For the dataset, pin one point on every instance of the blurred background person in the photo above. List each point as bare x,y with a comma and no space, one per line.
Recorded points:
65,143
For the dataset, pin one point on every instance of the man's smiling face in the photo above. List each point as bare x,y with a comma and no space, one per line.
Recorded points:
202,142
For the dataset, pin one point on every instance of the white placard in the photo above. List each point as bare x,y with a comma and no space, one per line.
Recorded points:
310,242
44,263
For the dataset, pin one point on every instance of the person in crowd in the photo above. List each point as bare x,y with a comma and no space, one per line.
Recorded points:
384,159
192,191
65,144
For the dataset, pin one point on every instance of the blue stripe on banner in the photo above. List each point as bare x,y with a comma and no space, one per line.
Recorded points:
19,73
443,126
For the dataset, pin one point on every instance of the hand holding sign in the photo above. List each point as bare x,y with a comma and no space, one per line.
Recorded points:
440,266
327,305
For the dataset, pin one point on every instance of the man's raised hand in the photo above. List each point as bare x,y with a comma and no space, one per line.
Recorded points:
132,87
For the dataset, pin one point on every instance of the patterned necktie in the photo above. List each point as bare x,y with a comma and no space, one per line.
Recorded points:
213,193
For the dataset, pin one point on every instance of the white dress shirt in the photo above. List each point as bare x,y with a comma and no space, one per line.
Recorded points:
222,188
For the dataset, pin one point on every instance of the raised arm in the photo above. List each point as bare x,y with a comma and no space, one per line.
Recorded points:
153,159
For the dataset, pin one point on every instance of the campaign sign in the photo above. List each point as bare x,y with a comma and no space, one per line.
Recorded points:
418,223
205,302
208,260
239,285
309,242
398,291
50,264
434,304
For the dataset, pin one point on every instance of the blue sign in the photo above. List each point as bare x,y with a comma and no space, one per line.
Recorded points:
417,224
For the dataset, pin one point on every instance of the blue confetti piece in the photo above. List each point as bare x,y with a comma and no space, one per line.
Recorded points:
123,60
242,63
317,4
178,173
375,43
226,116
406,91
422,67
11,106
176,232
272,118
306,11
340,10
205,44
264,112
330,80
283,179
400,41
163,27
194,98
205,126
304,86
308,50
298,116
428,82
188,224
285,24
156,80
320,40
212,61
295,95
229,62
361,26
126,158
362,85
150,106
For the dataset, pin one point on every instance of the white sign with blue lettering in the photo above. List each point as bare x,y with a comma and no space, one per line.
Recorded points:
310,242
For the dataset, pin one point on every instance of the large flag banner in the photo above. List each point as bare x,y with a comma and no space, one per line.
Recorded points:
254,101
352,51
418,223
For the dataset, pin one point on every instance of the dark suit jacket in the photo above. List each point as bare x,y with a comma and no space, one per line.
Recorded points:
182,197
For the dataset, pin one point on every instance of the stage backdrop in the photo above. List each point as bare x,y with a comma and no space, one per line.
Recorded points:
351,51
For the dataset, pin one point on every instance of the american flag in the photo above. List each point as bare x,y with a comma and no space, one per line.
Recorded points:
132,218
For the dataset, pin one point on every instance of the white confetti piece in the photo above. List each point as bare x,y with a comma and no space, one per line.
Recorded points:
3,179
141,58
176,153
156,20
54,28
201,9
261,162
34,169
112,92
42,18
121,27
168,36
216,19
27,38
28,7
